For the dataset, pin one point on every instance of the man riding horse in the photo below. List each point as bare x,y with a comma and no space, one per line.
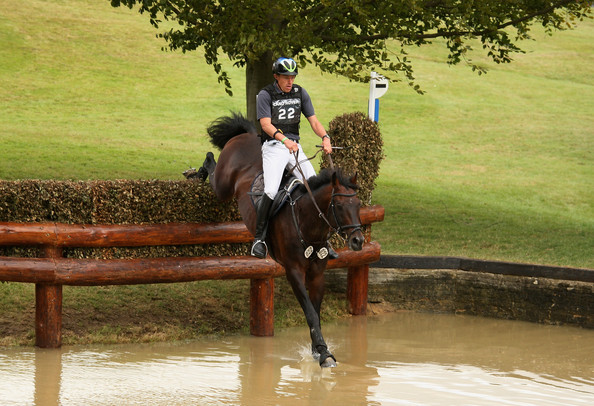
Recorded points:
279,109
324,203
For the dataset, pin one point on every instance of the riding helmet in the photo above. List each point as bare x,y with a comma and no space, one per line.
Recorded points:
285,66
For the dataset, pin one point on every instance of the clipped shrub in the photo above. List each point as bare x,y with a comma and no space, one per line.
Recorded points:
362,151
362,142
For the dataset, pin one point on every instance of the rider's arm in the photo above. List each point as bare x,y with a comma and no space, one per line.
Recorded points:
318,128
264,114
268,128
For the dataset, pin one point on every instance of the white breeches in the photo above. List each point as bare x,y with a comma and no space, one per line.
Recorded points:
275,158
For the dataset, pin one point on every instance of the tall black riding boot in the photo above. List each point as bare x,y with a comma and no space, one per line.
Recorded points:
259,248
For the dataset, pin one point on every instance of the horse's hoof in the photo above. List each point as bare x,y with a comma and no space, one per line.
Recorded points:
328,363
326,358
202,174
209,163
331,253
209,158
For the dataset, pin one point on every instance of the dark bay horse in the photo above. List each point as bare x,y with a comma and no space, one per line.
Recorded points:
296,226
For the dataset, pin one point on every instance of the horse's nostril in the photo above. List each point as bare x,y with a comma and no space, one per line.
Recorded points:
356,243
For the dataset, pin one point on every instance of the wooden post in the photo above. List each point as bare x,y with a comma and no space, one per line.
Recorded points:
48,308
262,307
357,283
48,315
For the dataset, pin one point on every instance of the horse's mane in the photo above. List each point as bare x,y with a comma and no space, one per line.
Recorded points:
325,177
223,129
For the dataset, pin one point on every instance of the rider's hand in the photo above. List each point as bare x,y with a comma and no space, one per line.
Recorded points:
291,145
326,145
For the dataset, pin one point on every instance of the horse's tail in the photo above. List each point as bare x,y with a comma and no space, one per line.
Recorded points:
224,128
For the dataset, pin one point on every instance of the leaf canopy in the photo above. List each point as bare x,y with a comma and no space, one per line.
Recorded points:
349,37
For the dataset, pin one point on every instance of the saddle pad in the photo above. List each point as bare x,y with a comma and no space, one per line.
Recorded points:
287,187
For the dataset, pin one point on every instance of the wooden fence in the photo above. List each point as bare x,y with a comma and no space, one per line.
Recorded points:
52,271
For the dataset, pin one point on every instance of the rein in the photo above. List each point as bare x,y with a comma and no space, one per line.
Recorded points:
320,214
339,229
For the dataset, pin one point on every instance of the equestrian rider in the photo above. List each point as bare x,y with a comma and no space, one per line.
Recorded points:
279,109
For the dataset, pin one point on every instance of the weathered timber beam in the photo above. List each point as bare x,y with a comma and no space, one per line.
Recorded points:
262,307
372,214
96,272
124,235
371,252
137,235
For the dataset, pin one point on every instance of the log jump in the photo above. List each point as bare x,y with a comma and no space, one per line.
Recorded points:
51,271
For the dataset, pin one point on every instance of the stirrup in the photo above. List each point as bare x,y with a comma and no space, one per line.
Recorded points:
255,252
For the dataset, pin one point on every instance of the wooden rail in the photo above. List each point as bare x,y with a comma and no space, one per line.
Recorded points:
52,271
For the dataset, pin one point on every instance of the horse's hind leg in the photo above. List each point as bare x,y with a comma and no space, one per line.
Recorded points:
207,169
220,177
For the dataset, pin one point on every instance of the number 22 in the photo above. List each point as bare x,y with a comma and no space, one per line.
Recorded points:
286,114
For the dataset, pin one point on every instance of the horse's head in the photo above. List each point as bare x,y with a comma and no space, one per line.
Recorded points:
344,210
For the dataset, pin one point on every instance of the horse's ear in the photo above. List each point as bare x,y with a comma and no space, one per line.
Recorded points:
335,180
354,179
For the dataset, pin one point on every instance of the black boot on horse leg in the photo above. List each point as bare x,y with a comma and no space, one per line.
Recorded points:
319,347
326,359
208,167
259,248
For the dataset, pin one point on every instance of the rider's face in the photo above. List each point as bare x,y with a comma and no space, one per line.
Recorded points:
285,82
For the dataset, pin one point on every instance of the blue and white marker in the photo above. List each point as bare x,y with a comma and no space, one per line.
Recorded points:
378,86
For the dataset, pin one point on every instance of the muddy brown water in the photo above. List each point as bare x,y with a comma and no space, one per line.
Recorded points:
401,358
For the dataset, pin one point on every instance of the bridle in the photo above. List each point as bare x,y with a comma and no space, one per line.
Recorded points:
339,229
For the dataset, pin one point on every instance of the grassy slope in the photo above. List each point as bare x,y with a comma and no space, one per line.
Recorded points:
496,167
87,93
499,166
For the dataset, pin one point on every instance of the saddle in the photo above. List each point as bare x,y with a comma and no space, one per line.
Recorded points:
287,186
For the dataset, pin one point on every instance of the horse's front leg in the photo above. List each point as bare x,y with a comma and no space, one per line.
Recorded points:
311,309
315,287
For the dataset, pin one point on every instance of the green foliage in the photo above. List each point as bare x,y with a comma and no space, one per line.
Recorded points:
349,38
112,202
118,202
362,142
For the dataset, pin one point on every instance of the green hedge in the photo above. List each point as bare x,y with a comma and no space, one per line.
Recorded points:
112,202
117,202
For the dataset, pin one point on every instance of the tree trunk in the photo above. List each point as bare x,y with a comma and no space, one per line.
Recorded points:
258,73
